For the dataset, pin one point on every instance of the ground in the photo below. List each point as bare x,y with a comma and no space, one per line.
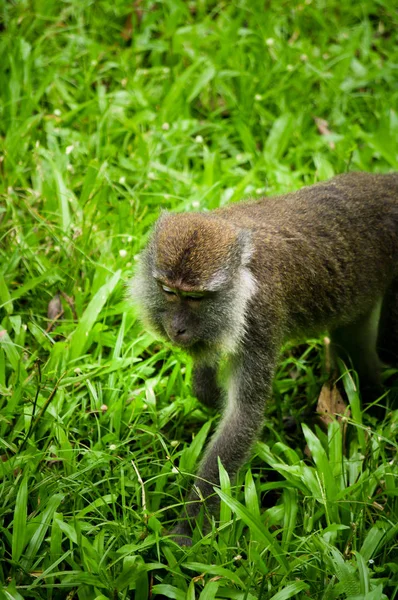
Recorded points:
109,112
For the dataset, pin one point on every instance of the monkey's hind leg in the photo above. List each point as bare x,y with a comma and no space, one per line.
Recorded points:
357,342
387,339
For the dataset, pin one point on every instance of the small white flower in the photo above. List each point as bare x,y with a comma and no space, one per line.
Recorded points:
112,446
166,126
258,97
57,112
174,470
199,139
69,149
371,561
195,203
145,406
122,180
174,443
104,407
123,253
130,239
289,67
77,371
151,175
270,41
239,157
303,57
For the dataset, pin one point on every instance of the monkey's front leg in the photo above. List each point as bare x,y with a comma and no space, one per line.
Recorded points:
205,385
241,423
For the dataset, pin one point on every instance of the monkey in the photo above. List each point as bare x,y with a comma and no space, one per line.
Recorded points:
233,284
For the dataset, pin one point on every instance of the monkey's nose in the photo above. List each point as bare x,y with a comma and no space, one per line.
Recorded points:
182,337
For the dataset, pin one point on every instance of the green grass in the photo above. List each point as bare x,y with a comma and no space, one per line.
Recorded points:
197,104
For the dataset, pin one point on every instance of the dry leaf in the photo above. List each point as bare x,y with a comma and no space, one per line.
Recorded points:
323,128
54,311
330,404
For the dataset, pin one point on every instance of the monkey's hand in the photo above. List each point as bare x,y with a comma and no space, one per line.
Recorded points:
205,386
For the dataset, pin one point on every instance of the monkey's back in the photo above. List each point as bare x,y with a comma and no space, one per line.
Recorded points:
327,251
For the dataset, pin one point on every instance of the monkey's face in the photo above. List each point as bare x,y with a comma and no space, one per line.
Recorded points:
192,285
195,320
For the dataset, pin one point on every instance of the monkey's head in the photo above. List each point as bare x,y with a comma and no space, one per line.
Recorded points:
193,282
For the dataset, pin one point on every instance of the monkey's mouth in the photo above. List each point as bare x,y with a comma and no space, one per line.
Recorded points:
182,343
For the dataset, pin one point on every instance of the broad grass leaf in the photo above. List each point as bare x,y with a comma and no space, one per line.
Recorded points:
279,136
89,187
322,462
290,590
56,537
376,594
19,523
373,539
169,591
363,571
209,591
10,350
324,168
172,561
215,571
258,528
225,484
345,572
251,498
90,315
44,520
133,566
191,591
33,283
290,504
190,455
142,585
5,296
355,404
202,81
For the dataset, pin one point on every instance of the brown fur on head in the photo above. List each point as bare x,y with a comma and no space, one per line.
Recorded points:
195,251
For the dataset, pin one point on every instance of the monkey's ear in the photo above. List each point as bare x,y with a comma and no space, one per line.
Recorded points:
246,246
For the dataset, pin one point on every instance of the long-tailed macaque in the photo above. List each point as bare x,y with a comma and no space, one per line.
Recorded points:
238,281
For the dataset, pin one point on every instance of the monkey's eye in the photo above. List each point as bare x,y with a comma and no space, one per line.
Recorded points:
168,291
194,297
